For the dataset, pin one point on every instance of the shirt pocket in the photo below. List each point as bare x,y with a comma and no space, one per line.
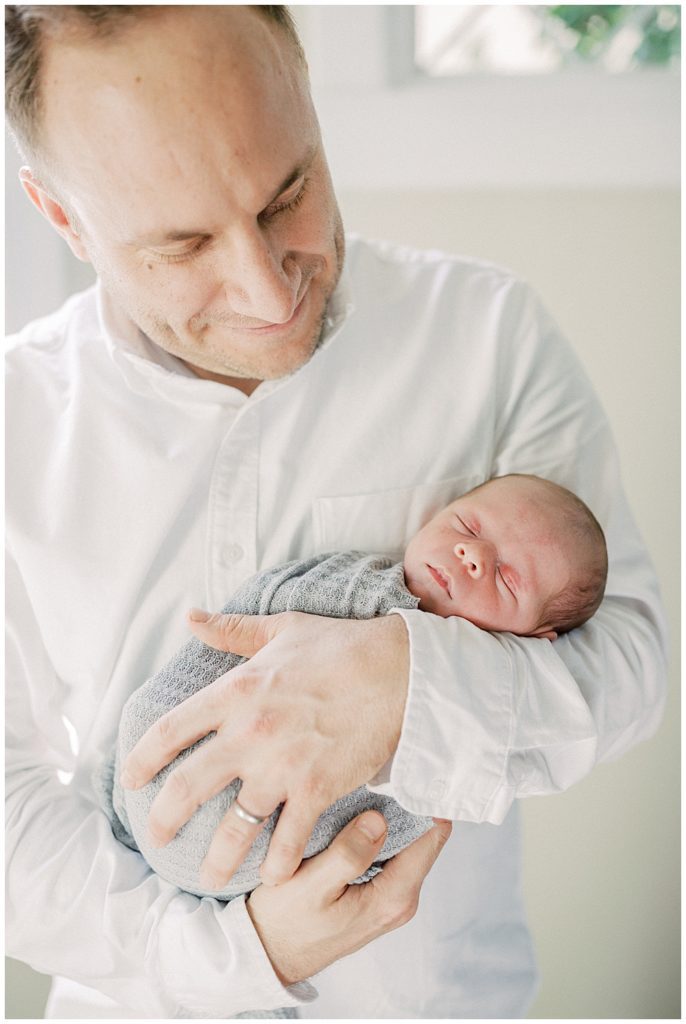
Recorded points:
382,522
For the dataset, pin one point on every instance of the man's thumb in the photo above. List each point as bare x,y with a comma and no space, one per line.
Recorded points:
409,868
239,634
349,855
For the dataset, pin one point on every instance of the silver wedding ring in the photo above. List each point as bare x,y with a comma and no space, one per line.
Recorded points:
252,819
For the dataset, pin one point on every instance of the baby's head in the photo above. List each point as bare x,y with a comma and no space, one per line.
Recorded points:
517,554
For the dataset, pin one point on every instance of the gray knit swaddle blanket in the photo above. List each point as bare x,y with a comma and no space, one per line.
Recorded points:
348,585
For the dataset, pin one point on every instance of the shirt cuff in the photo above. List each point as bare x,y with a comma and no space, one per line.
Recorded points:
451,759
221,979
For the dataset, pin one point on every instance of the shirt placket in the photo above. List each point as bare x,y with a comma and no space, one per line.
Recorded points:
232,514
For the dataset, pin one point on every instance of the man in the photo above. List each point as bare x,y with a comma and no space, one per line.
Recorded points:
235,393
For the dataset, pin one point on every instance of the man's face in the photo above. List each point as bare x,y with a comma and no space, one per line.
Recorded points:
189,150
494,556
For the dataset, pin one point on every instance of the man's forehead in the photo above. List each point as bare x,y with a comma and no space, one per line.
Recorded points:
180,228
169,123
214,80
178,29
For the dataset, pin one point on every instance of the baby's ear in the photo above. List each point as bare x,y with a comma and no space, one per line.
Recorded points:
546,634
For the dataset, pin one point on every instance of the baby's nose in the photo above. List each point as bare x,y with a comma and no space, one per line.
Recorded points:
472,557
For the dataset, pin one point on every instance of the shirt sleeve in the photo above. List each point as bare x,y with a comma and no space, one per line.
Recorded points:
81,905
490,717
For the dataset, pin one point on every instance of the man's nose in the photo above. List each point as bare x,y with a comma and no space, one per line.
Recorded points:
475,556
262,281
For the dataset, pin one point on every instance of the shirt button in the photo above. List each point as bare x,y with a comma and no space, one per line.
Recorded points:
232,554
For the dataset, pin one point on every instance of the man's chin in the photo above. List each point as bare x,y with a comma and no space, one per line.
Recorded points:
216,351
265,366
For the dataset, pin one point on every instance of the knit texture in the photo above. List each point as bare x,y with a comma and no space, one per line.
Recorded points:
348,585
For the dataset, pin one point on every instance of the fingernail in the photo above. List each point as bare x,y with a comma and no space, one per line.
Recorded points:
272,876
198,615
373,826
127,780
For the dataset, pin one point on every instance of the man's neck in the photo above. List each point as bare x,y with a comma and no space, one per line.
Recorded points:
245,384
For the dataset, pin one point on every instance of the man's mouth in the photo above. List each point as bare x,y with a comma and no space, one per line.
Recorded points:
275,328
256,327
440,578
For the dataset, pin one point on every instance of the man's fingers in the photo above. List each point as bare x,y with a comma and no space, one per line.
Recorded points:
350,854
196,779
232,840
179,729
287,845
239,634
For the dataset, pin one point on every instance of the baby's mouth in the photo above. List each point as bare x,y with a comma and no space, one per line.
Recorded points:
440,578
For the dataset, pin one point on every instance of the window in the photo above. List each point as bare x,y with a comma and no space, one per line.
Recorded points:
536,39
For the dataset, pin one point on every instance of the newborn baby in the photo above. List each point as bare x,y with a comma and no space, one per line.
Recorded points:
517,554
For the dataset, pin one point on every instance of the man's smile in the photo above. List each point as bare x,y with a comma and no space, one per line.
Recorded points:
252,326
275,328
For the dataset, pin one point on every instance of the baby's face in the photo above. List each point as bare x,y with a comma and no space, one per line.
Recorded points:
494,556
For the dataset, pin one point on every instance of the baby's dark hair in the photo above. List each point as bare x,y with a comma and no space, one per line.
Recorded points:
581,598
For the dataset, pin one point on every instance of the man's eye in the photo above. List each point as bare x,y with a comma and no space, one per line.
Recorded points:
289,204
184,254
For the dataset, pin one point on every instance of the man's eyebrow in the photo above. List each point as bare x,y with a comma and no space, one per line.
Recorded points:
167,237
164,238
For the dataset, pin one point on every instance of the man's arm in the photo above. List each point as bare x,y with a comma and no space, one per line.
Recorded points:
487,717
81,905
521,716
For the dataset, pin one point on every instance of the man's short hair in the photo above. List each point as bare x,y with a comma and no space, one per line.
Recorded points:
27,26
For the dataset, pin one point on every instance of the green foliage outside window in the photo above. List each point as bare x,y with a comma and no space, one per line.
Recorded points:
657,29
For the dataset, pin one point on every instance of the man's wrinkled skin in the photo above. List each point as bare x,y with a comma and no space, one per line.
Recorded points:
185,163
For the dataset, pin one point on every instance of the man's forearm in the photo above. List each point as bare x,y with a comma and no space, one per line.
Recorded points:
493,717
93,911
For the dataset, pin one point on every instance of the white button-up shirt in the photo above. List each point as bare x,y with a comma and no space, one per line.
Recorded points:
137,490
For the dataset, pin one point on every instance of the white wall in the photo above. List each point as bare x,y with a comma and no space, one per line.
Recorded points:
386,126
595,228
40,271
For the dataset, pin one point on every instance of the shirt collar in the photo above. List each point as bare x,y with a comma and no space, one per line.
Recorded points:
147,367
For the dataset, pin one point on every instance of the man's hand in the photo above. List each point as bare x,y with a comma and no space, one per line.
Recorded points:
316,712
316,918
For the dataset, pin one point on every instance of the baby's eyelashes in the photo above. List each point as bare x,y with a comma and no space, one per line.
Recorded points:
462,526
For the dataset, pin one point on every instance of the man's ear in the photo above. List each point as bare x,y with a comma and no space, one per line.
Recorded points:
53,212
